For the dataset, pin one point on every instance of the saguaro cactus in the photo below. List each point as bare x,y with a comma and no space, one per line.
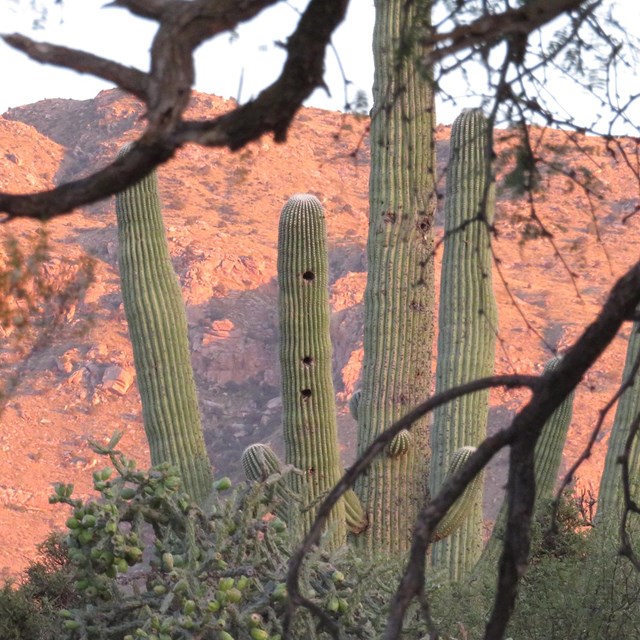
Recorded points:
467,323
308,397
610,494
158,328
548,457
399,294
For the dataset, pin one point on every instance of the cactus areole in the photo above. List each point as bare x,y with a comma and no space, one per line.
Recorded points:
308,397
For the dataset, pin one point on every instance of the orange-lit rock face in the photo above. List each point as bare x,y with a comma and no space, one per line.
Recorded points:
221,212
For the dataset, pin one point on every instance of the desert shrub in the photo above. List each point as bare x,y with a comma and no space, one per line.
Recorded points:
141,561
149,563
29,607
577,586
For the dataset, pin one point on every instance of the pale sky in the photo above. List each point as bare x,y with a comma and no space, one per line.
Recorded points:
221,63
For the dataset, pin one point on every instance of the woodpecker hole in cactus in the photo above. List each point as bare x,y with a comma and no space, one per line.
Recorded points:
389,217
307,361
305,394
308,276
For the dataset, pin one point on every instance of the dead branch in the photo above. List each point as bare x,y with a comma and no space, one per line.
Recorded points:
548,392
491,29
474,465
166,90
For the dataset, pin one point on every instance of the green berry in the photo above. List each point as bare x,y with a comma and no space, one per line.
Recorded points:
226,583
127,493
234,595
223,484
188,607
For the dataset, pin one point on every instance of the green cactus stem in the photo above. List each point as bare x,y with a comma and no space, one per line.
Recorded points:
548,458
399,295
158,329
262,465
356,518
308,397
462,507
610,496
467,324
259,462
548,452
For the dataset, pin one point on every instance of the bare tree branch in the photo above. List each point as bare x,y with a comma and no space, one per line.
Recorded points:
144,8
378,445
551,389
166,90
127,78
491,29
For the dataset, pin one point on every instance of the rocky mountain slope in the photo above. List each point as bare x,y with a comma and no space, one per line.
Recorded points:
73,379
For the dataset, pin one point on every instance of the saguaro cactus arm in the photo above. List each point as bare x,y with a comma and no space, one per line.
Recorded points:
463,506
262,465
548,457
158,328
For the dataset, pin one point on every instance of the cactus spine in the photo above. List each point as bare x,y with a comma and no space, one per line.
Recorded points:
610,494
158,328
399,293
548,457
308,398
467,324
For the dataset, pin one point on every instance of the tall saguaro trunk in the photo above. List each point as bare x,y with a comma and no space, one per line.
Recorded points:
610,496
400,287
467,324
158,328
308,396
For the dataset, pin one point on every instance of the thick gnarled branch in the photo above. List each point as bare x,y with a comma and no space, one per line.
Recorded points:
166,90
127,78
